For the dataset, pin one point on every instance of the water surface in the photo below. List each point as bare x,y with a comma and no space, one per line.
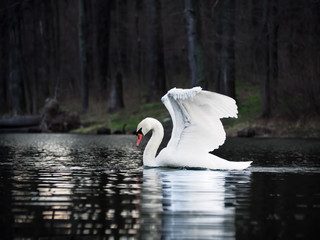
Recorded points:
64,186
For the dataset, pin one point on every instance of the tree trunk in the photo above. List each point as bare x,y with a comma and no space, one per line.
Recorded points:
273,51
269,57
45,73
116,94
225,82
122,37
3,62
15,61
115,90
89,42
139,42
103,38
155,55
83,56
34,61
55,29
195,48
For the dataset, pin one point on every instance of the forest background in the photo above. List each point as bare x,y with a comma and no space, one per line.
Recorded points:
112,60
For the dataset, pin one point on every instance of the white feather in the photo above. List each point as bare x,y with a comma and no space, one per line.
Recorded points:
196,118
197,130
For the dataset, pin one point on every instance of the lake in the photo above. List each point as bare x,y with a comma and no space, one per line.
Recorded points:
67,186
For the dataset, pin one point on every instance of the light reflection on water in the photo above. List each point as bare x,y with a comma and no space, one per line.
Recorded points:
62,186
190,204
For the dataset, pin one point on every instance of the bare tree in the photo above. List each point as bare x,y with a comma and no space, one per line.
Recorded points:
83,55
138,7
55,29
45,64
144,43
103,9
155,55
15,60
269,56
195,48
3,62
115,89
116,94
225,53
122,36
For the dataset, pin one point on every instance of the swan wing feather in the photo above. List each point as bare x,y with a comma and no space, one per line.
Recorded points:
195,115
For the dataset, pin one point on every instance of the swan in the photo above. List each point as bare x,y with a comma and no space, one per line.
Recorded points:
197,130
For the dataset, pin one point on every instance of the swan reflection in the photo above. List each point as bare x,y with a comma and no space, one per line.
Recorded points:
188,203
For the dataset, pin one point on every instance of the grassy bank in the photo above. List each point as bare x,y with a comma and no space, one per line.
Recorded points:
115,121
248,119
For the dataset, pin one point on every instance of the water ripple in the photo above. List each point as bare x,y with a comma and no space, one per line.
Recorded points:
94,187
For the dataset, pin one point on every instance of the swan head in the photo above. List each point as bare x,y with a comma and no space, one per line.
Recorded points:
145,126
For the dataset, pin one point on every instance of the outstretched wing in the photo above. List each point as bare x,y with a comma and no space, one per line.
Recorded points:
195,115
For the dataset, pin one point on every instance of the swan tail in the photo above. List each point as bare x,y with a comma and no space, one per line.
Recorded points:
240,165
222,164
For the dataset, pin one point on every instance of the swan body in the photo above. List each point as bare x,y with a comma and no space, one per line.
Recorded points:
197,130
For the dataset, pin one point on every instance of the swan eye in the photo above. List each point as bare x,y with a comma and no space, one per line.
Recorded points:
139,132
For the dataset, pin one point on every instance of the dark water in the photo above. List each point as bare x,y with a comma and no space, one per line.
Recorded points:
93,187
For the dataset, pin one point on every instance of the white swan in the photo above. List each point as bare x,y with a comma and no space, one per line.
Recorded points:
197,130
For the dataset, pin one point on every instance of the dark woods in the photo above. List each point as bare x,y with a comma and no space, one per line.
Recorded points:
123,53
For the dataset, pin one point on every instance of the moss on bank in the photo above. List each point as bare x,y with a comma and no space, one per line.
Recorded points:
249,107
116,121
248,118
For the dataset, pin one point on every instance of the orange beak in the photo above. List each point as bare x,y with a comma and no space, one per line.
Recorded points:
139,139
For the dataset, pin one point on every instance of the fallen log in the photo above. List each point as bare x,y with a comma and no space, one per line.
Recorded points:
21,130
20,121
53,119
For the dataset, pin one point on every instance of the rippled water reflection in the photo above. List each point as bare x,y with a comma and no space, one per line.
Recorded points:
93,187
190,204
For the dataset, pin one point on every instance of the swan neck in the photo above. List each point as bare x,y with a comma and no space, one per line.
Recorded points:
149,154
